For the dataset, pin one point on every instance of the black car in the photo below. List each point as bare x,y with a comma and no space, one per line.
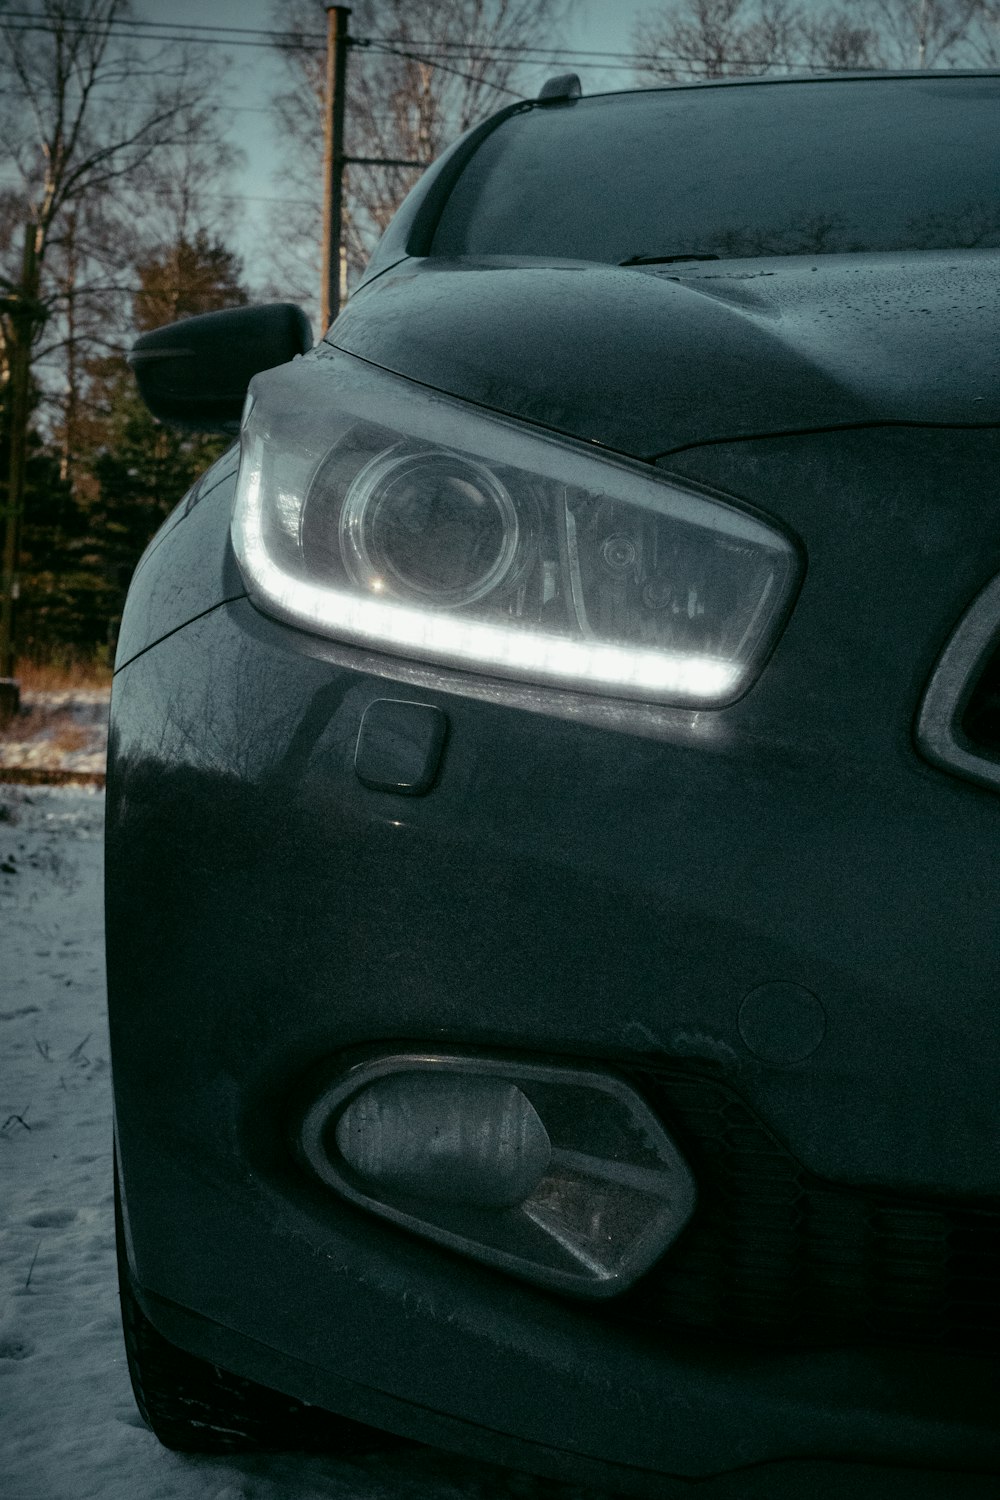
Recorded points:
553,817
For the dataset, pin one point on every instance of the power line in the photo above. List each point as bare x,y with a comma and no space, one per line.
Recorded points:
531,55
516,47
266,31
243,197
300,38
192,26
387,51
287,43
223,109
307,42
126,31
215,197
497,52
612,67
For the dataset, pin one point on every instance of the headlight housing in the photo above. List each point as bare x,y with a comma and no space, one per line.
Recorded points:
375,511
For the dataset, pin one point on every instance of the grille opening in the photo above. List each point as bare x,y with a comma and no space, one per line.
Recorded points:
981,719
777,1256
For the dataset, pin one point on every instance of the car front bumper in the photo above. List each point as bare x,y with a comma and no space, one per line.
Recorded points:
595,885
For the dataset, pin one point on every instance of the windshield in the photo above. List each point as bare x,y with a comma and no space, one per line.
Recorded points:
774,168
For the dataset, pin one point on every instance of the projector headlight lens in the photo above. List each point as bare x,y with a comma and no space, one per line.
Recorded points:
429,527
379,513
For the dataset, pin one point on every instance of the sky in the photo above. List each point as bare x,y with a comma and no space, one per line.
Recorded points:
603,26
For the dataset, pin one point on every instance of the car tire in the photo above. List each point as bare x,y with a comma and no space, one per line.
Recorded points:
193,1406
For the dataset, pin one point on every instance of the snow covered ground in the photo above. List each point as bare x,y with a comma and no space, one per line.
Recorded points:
68,1427
65,732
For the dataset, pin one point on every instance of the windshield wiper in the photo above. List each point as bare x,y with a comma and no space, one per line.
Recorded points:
663,260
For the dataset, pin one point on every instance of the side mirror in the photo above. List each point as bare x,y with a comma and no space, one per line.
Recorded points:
195,373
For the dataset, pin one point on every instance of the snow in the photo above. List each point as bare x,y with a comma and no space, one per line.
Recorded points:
61,731
69,1429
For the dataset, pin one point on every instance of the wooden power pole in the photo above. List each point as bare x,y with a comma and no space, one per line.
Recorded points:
24,314
333,161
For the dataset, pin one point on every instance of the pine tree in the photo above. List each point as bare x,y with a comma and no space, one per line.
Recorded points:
140,468
80,545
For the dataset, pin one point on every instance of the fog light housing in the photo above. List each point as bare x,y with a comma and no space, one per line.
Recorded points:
560,1175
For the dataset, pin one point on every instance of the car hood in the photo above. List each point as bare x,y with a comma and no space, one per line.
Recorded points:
646,360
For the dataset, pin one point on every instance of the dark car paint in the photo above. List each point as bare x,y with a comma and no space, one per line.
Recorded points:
819,757
194,373
196,572
319,915
267,912
646,361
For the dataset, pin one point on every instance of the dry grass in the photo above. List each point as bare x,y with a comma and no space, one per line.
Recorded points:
56,724
71,737
46,677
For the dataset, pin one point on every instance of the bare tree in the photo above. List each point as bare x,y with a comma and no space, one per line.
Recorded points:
720,38
177,193
841,39
419,73
84,112
984,35
95,126
716,39
925,33
116,148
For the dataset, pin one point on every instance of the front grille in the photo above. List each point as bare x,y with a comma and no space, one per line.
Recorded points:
775,1253
981,719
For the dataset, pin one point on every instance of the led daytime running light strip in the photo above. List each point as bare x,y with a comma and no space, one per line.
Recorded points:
462,642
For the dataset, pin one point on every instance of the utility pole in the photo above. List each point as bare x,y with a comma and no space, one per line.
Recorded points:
333,160
24,313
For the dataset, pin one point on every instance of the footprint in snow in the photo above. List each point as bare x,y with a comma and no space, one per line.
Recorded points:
14,1347
52,1218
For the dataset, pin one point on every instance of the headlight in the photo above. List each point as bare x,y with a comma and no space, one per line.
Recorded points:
377,512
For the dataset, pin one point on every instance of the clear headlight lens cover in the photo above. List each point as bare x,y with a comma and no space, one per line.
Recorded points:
377,512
